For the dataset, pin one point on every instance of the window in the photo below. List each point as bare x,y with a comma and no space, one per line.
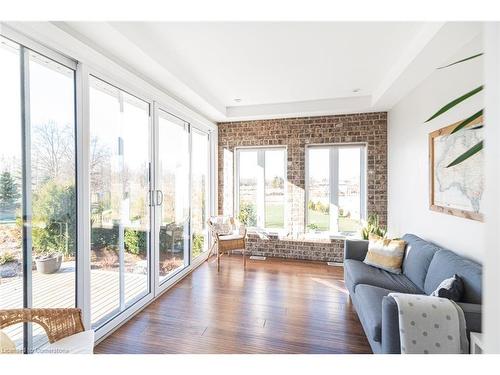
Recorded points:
335,188
260,187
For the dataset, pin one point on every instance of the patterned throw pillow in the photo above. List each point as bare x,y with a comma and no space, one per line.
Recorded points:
385,253
452,288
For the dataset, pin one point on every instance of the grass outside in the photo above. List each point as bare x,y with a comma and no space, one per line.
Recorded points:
322,220
275,215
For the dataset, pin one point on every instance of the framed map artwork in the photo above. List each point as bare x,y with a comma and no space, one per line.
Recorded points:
456,190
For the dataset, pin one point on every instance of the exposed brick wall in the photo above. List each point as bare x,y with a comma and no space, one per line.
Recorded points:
296,133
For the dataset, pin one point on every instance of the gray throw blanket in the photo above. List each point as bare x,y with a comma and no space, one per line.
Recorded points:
430,325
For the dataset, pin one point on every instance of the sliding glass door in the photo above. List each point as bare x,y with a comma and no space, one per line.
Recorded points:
120,200
172,196
138,217
149,199
37,186
200,162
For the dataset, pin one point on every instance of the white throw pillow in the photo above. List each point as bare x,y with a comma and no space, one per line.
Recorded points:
80,343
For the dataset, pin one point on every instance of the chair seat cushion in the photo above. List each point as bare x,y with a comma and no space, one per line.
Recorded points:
7,346
357,272
229,237
370,309
79,343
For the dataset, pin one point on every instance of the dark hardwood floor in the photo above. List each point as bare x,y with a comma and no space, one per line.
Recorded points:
274,306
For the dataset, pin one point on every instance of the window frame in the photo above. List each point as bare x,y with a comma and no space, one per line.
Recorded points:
333,177
236,190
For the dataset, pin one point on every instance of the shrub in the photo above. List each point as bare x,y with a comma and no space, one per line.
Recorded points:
248,214
313,226
7,258
136,241
318,206
54,219
198,241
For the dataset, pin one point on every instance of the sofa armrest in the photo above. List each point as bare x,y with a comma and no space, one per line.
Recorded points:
390,326
355,249
473,316
390,323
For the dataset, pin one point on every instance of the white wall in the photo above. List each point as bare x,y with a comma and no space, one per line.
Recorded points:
408,170
491,279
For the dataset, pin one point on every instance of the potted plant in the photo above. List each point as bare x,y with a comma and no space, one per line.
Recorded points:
48,262
372,226
8,265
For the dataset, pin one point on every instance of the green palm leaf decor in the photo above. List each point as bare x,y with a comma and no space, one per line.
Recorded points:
467,154
467,121
460,61
479,146
455,102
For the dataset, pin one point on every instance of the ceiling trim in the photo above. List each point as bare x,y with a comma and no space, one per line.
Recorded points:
135,59
431,48
301,109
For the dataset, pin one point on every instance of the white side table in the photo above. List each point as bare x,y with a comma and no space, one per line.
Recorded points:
476,343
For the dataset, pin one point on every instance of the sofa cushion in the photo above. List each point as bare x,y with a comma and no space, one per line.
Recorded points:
445,264
370,308
385,253
452,288
418,257
357,272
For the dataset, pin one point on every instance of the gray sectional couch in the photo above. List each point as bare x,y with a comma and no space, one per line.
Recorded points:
424,267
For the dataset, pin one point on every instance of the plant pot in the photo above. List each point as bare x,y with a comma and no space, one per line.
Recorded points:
8,269
49,265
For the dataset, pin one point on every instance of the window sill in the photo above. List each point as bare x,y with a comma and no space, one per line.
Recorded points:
282,235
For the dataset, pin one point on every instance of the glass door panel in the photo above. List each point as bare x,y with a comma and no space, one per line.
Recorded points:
53,186
200,178
11,183
119,187
37,219
173,197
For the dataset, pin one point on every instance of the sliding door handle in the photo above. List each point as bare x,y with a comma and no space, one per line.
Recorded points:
159,197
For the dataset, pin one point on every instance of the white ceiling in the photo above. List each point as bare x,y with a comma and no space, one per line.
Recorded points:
279,69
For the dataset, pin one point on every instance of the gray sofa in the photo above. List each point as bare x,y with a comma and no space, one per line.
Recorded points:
424,267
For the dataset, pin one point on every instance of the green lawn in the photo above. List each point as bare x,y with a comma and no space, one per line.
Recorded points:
275,215
322,220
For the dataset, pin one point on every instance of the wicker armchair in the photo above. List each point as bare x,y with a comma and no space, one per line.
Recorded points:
228,234
57,323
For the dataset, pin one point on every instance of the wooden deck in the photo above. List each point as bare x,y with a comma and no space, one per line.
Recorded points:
58,290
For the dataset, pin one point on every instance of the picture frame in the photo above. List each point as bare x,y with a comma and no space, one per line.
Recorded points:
436,201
